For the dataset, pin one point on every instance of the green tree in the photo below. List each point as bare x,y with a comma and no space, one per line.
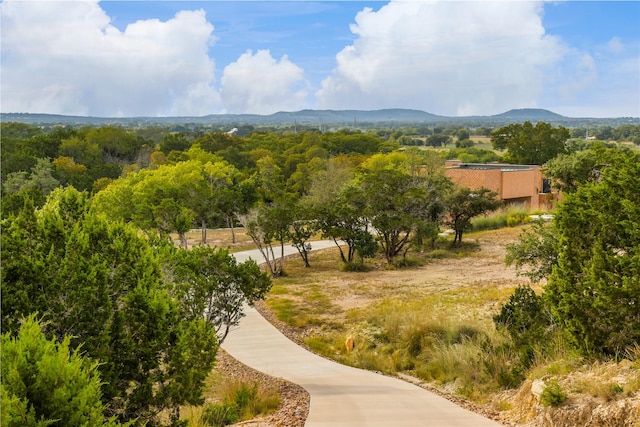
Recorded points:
438,140
46,383
101,283
462,134
398,205
71,173
536,251
36,185
344,142
342,219
40,178
569,171
303,227
337,206
463,204
327,183
270,180
526,319
471,155
19,130
269,222
81,151
213,142
211,285
117,143
174,142
230,194
268,226
595,291
529,144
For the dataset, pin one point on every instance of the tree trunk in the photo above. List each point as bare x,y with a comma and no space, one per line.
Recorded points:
341,252
229,220
281,257
204,231
183,240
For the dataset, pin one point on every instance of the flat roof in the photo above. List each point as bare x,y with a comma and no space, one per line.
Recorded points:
493,166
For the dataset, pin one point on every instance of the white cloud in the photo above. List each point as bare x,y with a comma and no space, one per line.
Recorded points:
604,83
260,84
615,45
453,58
445,57
71,60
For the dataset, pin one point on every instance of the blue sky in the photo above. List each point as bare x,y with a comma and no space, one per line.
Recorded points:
166,58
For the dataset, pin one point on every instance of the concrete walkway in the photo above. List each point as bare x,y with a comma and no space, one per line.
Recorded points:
341,396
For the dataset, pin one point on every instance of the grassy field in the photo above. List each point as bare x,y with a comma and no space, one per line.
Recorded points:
433,322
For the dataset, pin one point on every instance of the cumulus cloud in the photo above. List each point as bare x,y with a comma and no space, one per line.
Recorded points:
71,60
454,58
260,84
445,57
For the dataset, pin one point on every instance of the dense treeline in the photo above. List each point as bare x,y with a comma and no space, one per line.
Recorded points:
35,160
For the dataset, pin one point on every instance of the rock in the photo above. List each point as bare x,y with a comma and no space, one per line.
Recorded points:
537,387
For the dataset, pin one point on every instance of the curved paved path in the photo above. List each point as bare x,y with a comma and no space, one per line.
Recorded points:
341,396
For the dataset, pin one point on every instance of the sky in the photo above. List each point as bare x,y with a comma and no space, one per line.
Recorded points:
194,58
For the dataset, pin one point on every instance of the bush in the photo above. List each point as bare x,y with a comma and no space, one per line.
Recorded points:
405,262
45,382
355,267
517,215
552,394
522,317
439,254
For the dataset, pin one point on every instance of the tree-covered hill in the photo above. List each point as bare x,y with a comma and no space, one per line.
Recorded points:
327,118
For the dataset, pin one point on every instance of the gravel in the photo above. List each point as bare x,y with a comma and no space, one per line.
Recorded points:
294,406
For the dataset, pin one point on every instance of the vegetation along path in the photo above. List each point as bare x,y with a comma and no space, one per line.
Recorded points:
340,395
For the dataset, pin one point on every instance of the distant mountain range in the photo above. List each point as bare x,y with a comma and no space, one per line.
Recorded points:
326,119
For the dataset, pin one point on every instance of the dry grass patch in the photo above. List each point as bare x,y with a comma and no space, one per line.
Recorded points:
232,394
219,237
432,321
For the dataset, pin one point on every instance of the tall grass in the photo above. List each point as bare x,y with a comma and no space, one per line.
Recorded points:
429,340
235,401
510,216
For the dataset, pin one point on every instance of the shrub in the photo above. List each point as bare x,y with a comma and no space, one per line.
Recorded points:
522,317
438,254
354,267
405,262
518,214
45,382
552,394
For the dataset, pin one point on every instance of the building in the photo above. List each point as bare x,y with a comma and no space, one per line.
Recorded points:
515,184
